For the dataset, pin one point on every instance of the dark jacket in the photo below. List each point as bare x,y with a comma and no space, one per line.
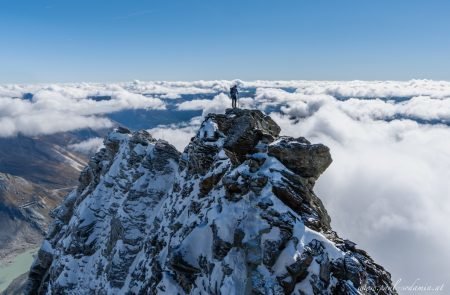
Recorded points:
234,92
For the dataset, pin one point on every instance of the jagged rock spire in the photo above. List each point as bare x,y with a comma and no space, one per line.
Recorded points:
234,214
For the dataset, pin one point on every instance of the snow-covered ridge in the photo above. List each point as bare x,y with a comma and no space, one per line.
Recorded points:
234,214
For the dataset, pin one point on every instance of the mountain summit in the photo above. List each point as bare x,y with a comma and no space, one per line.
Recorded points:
235,213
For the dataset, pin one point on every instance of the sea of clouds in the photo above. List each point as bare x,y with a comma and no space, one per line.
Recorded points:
388,188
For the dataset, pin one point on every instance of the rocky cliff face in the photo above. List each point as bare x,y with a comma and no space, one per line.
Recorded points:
234,214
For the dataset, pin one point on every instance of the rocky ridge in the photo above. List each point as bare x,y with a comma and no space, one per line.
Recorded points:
235,213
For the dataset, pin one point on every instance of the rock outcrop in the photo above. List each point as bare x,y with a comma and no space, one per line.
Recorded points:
235,213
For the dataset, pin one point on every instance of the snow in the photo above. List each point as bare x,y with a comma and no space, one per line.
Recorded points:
273,235
47,247
198,243
286,257
71,159
308,235
235,283
140,150
208,129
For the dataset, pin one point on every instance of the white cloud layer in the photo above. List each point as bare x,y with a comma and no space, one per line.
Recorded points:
177,134
88,147
59,108
217,105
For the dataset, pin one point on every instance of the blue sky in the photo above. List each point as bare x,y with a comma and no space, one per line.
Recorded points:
96,40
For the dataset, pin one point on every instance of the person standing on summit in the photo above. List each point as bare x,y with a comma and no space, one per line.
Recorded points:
234,95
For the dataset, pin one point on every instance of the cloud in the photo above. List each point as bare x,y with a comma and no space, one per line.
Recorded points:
378,89
421,107
197,104
71,102
356,89
49,123
174,90
88,147
299,104
217,105
178,135
60,108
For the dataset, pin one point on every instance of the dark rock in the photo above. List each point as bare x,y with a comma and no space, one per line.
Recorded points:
349,244
236,185
345,288
163,154
325,270
220,247
115,234
38,270
258,182
265,203
244,129
198,157
288,196
123,130
207,184
184,273
179,265
294,191
140,137
307,160
298,272
233,158
315,247
354,270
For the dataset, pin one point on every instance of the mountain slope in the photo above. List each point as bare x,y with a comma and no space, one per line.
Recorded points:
24,216
35,174
44,160
234,214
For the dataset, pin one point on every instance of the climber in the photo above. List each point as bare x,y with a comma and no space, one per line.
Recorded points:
234,95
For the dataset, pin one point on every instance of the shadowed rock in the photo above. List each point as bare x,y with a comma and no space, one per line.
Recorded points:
300,156
243,129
